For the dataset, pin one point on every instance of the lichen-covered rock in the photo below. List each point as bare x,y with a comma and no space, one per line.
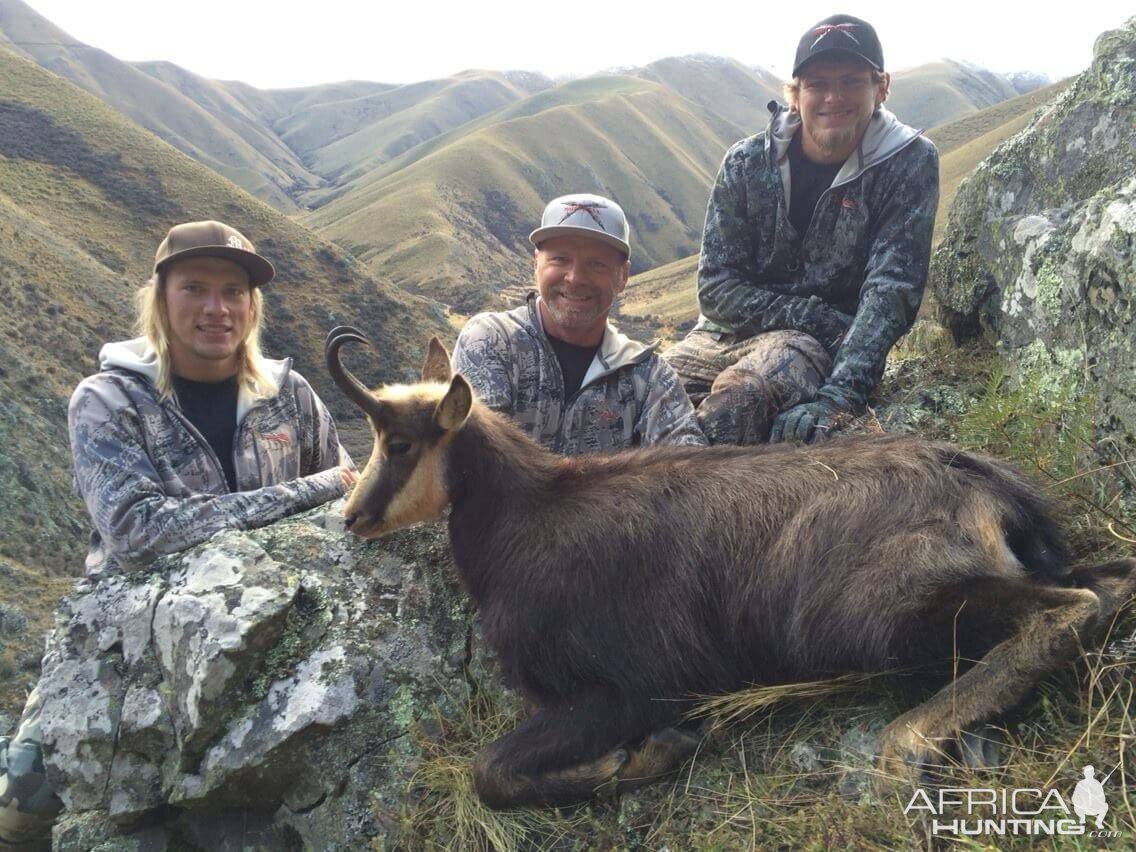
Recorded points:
1040,254
266,678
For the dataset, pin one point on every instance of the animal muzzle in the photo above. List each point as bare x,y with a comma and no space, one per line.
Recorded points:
363,525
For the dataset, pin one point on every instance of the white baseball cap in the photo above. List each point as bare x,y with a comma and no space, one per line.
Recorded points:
584,215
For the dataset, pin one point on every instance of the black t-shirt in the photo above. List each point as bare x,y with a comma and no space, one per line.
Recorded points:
212,408
574,362
808,181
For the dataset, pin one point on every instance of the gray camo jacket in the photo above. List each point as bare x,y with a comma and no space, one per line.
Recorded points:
856,280
153,485
630,395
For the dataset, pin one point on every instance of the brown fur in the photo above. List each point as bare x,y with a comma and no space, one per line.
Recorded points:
614,588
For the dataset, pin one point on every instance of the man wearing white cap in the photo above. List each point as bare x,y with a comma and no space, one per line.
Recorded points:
556,365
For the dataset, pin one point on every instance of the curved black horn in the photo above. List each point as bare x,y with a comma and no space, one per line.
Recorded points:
347,383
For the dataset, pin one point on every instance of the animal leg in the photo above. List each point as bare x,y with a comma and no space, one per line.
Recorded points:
1114,583
1048,627
663,752
559,756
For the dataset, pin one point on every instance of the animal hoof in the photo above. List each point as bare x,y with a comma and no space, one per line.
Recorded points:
982,748
905,756
661,753
609,767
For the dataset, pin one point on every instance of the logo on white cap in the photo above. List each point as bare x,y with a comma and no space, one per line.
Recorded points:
571,208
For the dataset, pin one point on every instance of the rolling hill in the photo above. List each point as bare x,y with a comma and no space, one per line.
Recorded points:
448,217
85,196
737,92
938,92
220,134
435,183
345,138
455,221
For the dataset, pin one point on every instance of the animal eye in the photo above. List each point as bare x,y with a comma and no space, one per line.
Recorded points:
398,448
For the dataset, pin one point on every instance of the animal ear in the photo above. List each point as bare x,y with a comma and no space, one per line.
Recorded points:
454,407
437,365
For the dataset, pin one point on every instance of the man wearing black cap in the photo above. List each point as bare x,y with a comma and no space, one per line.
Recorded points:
815,250
185,431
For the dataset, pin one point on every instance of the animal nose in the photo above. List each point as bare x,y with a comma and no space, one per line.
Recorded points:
349,520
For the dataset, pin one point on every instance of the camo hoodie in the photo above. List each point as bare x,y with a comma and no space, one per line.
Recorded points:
153,485
630,395
856,280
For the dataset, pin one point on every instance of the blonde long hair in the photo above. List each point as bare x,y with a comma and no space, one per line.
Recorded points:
153,324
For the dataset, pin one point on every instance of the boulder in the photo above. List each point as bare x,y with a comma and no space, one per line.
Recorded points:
1040,253
268,679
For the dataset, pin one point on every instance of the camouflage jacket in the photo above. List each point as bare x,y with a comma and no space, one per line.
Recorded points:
630,395
153,485
856,279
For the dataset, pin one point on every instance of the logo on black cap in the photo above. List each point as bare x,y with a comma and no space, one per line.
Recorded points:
846,29
843,34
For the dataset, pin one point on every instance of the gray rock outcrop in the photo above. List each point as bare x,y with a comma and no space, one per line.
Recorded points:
266,679
1040,254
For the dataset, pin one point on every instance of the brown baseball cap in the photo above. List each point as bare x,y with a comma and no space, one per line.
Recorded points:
213,239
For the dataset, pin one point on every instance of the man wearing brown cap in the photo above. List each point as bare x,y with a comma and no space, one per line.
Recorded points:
185,431
815,250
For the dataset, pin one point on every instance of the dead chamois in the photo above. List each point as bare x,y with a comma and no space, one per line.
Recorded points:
613,588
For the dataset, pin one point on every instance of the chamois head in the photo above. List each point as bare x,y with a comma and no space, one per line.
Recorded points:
404,480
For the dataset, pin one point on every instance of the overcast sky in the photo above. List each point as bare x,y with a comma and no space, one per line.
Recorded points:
284,43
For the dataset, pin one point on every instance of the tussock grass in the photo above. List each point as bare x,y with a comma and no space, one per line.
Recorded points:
735,707
447,813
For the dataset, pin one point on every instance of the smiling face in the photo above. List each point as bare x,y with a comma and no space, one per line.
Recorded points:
836,98
209,312
578,279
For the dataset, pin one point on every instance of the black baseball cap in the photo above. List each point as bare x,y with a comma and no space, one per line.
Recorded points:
213,239
842,33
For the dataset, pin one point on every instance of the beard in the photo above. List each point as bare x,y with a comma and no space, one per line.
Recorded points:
837,139
569,315
565,313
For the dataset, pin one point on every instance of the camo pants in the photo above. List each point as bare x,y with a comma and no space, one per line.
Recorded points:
739,386
27,805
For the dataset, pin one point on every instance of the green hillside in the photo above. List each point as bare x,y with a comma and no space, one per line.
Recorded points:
933,94
435,184
454,223
664,298
227,141
952,135
85,196
734,91
343,139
